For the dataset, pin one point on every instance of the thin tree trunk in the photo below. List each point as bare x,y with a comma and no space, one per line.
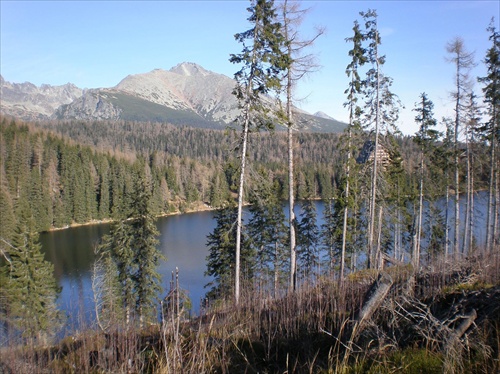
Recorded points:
240,205
496,218
471,214
416,253
371,227
491,198
378,254
465,244
291,197
276,270
457,171
346,209
471,203
447,219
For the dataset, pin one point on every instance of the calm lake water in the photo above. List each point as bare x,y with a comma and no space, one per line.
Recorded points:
182,240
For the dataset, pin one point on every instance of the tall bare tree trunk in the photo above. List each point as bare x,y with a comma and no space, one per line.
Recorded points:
244,142
446,221
300,65
491,200
457,184
496,208
472,203
467,220
373,193
463,61
416,252
346,209
291,197
379,258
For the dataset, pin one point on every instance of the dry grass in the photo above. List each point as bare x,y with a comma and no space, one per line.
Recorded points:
310,331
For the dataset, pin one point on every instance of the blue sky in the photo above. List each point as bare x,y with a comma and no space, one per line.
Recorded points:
97,43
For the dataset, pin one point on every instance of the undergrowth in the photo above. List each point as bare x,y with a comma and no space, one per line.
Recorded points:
415,329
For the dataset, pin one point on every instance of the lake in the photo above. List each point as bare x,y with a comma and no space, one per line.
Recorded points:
182,240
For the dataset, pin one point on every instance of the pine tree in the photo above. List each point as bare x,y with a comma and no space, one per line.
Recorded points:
262,61
219,190
8,218
117,244
472,119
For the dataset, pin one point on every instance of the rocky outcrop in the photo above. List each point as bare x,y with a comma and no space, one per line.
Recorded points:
92,105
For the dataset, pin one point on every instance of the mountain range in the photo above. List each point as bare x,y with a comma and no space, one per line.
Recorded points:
187,94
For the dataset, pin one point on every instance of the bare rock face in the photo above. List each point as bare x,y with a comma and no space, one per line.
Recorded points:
29,102
186,86
92,105
323,115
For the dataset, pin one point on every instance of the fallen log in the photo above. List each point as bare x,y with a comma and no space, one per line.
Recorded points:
374,297
460,330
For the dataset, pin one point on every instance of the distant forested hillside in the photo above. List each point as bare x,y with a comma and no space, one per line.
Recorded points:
76,172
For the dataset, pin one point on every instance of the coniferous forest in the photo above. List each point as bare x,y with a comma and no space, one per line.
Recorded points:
390,281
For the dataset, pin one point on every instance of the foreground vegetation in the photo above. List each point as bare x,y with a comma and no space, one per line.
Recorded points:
445,319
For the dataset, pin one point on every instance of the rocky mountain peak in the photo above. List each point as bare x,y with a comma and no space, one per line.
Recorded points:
322,115
189,69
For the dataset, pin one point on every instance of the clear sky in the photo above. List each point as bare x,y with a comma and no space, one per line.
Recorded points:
98,43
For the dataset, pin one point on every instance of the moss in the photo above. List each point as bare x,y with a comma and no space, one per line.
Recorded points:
469,286
409,361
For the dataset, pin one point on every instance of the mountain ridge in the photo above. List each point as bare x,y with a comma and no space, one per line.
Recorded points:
186,94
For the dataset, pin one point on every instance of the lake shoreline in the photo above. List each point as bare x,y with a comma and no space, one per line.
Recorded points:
201,208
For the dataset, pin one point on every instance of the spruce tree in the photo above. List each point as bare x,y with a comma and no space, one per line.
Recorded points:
30,289
221,244
308,240
267,231
263,62
381,112
345,200
426,136
490,131
330,232
144,241
132,244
